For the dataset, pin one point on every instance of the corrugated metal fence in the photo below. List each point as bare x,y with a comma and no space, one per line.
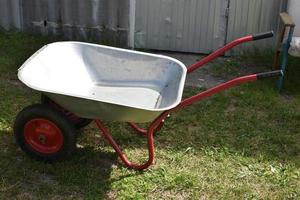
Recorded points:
253,16
105,20
201,26
10,14
178,25
190,25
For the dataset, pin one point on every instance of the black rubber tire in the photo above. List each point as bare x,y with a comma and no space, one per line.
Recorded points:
81,123
39,111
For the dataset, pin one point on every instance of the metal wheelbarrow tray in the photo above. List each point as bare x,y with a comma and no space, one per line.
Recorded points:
83,80
95,81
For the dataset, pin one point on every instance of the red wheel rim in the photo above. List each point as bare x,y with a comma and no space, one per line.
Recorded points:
43,136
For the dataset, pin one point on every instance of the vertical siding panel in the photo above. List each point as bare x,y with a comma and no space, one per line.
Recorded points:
207,25
231,20
192,27
197,34
156,22
174,26
154,19
253,16
180,26
112,15
185,25
251,25
150,15
216,25
204,21
123,10
198,26
160,20
141,24
209,41
244,23
53,17
168,22
4,17
74,19
238,20
162,28
15,14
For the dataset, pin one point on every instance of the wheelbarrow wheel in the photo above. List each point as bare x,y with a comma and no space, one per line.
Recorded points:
78,122
44,133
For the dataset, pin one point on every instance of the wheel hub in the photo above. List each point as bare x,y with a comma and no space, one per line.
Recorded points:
42,139
43,136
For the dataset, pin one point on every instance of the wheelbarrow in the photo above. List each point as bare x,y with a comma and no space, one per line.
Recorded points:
80,82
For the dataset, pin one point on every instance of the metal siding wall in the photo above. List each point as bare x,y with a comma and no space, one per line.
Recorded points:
200,25
10,14
105,20
253,16
180,25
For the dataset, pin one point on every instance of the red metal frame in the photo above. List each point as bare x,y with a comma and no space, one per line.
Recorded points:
219,52
214,90
158,123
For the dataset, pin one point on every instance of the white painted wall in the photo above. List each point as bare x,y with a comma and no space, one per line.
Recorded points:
294,12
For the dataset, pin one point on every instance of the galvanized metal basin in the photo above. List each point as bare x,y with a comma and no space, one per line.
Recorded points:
95,81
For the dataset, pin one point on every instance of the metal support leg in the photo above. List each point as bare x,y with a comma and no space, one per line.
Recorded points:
123,157
285,55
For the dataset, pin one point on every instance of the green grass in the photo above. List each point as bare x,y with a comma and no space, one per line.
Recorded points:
240,144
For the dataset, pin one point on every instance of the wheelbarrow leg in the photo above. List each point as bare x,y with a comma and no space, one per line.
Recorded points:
123,157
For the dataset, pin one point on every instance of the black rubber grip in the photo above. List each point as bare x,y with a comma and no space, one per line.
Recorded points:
277,73
260,36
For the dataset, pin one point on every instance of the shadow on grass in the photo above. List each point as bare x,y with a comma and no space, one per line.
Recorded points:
85,175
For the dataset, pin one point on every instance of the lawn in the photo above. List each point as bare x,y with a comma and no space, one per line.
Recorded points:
240,144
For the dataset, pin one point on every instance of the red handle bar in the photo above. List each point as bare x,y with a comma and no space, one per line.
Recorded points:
226,85
227,47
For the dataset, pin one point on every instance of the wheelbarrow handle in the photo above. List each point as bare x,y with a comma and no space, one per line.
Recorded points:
227,47
229,84
276,73
260,36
